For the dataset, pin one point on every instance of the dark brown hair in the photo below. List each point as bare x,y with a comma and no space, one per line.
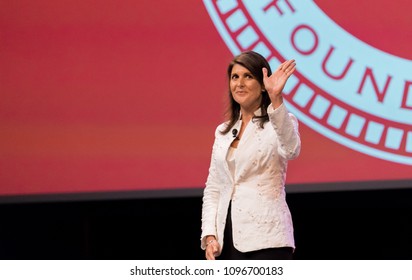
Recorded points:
254,62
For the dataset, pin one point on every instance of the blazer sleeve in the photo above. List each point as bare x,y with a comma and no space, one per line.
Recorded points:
211,195
287,129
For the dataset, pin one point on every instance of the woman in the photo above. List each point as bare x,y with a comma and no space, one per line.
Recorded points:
244,213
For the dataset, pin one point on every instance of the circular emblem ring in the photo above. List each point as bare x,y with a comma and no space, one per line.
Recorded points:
345,89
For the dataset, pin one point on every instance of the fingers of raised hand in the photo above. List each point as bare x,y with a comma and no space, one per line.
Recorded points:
288,67
265,72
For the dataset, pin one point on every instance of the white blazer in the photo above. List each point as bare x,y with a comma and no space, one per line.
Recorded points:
260,216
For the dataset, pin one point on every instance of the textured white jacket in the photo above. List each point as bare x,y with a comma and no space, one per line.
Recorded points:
260,215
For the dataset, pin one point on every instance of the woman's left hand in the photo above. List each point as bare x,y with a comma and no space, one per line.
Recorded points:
276,82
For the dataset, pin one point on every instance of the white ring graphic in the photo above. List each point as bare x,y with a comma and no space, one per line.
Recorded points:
345,89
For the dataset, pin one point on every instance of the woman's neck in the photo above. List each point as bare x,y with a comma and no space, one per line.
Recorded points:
247,115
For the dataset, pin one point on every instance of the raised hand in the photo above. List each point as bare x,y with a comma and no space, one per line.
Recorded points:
276,82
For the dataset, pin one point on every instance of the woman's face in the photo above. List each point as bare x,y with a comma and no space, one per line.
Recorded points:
245,89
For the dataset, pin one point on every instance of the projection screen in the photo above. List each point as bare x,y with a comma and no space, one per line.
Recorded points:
122,98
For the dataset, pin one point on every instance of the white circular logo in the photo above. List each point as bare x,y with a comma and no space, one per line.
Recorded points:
345,89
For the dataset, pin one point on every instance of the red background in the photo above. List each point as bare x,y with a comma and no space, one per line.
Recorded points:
125,95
